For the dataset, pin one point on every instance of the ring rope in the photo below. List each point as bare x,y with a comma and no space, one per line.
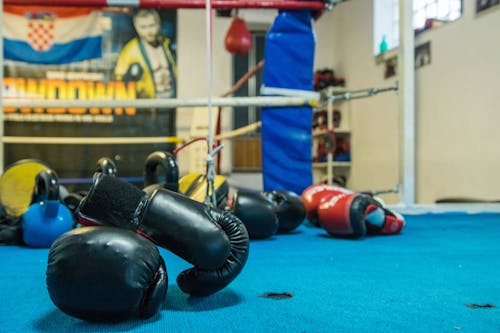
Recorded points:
239,132
244,79
210,192
90,140
188,4
125,140
184,145
169,103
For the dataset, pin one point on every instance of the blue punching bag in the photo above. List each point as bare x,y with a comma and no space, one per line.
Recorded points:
46,218
286,131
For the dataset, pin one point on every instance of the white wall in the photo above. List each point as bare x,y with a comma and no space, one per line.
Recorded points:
458,110
457,105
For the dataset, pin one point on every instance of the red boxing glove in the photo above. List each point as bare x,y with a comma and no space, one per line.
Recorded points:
345,215
315,194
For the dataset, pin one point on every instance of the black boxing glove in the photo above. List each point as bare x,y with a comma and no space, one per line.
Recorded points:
257,213
215,242
104,165
289,208
11,232
106,274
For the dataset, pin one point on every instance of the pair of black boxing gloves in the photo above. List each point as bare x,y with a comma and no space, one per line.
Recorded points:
267,213
111,269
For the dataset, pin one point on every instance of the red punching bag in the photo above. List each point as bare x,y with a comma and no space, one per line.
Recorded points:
238,38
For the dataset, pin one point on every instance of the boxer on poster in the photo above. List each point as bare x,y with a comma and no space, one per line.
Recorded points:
147,59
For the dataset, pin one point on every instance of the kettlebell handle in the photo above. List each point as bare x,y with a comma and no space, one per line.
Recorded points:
168,162
46,186
106,166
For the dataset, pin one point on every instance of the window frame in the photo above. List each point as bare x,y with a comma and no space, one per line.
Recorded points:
386,19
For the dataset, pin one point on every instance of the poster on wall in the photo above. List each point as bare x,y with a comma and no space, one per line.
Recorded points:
483,5
69,53
423,55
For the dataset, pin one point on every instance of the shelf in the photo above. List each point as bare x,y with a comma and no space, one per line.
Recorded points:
386,56
334,164
335,90
324,132
325,124
322,107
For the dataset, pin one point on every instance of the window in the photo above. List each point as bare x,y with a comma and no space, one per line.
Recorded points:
247,149
245,115
386,18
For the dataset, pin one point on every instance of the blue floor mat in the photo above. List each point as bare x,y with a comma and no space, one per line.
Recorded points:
434,277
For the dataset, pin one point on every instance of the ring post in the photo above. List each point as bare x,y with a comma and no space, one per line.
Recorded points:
286,132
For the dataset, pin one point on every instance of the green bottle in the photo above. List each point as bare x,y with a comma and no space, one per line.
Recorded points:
383,47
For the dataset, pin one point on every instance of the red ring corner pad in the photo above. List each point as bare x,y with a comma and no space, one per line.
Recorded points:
193,4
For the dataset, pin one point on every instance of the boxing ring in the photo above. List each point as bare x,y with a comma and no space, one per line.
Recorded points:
406,99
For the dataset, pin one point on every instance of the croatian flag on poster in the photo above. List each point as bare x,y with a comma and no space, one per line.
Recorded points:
51,35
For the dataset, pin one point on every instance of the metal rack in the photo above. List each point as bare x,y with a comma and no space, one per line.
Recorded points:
329,97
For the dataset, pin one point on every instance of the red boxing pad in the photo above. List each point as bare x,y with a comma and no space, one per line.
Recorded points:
238,38
314,195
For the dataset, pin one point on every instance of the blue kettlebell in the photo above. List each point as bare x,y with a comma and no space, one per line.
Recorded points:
46,218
